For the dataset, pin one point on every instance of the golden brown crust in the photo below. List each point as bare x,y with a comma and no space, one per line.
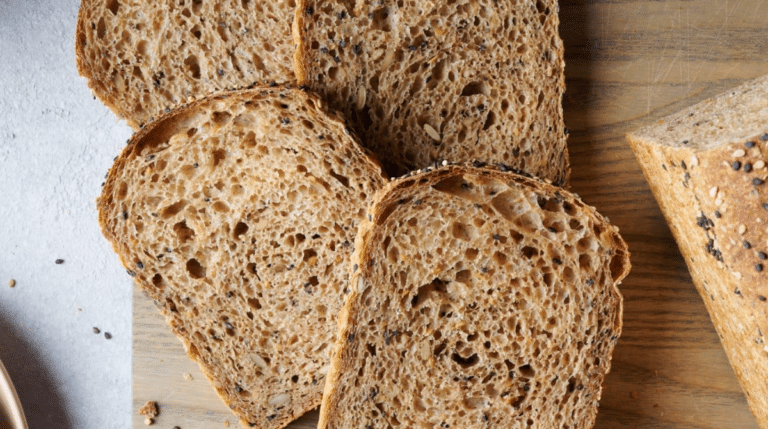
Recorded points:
392,195
157,133
299,54
718,218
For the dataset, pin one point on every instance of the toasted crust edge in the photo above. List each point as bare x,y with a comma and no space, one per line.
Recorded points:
389,194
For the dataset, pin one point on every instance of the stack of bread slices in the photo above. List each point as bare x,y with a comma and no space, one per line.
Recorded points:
473,291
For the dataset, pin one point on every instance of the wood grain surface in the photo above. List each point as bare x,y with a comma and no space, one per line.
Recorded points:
628,63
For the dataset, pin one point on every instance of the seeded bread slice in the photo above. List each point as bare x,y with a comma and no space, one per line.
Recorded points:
706,166
479,299
237,215
423,81
143,57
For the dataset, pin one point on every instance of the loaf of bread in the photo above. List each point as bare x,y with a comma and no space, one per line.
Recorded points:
237,214
144,57
706,166
479,299
424,81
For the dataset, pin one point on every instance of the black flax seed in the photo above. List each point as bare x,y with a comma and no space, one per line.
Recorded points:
749,144
758,267
59,261
107,335
762,255
96,330
736,165
757,182
747,167
764,137
747,245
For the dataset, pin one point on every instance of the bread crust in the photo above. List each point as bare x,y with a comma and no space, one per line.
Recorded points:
379,209
715,213
159,132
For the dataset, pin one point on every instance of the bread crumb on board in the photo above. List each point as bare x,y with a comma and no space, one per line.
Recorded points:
149,422
188,376
149,409
12,283
226,423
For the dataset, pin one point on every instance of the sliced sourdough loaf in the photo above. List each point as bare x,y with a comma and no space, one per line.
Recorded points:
479,299
706,166
423,81
237,215
143,57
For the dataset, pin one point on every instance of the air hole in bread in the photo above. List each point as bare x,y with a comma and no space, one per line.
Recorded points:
393,255
220,207
475,88
173,209
195,270
381,20
220,118
464,276
122,190
462,231
310,256
617,264
467,362
217,155
113,6
500,258
192,66
183,232
240,229
196,31
254,303
471,254
157,280
101,28
342,179
490,120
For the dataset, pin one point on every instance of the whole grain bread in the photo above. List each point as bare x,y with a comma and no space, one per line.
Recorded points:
706,166
480,299
237,215
143,57
424,81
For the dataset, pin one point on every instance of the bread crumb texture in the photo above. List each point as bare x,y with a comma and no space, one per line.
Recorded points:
480,299
237,216
141,57
423,81
706,168
149,409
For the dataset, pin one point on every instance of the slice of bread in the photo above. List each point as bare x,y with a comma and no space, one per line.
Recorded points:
426,81
237,214
143,57
706,166
480,299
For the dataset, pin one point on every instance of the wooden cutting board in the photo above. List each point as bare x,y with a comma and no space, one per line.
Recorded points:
628,63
